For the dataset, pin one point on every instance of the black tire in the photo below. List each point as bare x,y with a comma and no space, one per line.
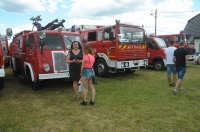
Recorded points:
35,85
28,76
159,65
101,68
1,82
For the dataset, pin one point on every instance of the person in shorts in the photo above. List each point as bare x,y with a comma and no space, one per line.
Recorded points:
180,57
169,54
87,73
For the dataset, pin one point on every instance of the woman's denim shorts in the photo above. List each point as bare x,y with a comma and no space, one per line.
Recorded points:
88,73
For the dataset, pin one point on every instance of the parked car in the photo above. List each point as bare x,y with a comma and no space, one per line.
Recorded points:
197,59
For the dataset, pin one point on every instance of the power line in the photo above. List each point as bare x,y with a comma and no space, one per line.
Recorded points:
180,12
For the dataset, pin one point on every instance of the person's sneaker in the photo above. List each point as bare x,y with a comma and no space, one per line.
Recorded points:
173,84
83,103
175,91
91,102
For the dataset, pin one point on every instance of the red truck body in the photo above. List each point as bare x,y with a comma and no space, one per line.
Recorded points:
40,55
118,48
156,53
4,55
2,71
187,38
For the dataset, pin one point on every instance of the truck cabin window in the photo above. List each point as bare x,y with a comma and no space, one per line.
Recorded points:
31,42
129,35
68,39
52,42
109,34
92,36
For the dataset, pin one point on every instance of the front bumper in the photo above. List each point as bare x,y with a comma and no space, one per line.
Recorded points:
2,73
54,75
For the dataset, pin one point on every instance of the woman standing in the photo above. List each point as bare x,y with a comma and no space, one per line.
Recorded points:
87,73
74,58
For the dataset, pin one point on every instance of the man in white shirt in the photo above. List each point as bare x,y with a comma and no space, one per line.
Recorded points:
169,54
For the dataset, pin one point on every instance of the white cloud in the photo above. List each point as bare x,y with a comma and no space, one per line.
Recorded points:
26,6
105,12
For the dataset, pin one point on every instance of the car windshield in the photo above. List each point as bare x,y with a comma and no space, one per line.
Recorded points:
130,35
68,39
161,42
189,39
52,41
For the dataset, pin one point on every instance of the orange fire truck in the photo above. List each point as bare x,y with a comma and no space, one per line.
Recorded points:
120,47
186,37
3,55
39,55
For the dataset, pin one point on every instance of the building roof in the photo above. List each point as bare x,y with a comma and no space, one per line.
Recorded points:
193,26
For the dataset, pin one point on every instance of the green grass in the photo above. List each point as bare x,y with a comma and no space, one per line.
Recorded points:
142,101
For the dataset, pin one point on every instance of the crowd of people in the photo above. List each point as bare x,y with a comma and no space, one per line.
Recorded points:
81,63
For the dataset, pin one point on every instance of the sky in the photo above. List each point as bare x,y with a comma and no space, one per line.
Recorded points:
172,15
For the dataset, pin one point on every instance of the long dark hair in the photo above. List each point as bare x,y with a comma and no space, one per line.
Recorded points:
79,45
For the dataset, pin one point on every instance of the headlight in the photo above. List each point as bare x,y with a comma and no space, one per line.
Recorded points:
46,67
125,64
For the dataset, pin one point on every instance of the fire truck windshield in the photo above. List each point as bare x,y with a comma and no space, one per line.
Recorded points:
189,39
161,42
130,35
52,42
68,39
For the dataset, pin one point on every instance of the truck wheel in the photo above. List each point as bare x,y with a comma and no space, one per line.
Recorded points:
158,65
1,82
35,85
101,68
28,76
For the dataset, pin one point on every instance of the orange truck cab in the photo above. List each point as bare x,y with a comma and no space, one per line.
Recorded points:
156,53
187,38
39,55
118,48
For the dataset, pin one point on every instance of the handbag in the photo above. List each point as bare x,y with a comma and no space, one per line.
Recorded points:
94,78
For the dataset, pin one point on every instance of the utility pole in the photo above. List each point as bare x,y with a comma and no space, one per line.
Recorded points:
155,21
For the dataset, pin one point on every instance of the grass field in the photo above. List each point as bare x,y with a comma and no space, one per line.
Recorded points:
137,102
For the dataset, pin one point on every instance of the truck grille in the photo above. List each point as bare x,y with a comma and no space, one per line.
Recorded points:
59,62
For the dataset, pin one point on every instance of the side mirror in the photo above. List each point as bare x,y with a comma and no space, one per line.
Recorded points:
9,32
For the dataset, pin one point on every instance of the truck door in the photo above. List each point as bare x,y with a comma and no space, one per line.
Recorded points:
32,52
152,50
108,45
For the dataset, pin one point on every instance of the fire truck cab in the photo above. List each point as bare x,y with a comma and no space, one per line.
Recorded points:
156,53
39,55
187,38
118,48
3,55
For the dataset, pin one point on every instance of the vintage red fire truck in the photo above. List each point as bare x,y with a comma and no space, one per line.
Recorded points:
3,55
156,53
5,47
120,47
39,55
186,37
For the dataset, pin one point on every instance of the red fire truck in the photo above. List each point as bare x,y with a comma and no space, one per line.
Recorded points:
3,55
39,55
5,47
120,47
156,53
188,38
